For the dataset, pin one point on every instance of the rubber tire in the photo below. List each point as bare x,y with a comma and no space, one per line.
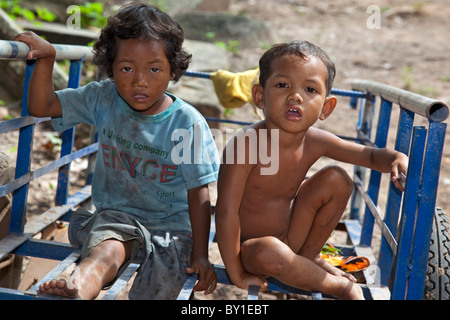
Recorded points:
437,284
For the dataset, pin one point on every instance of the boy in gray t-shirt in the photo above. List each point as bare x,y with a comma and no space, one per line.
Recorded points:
150,187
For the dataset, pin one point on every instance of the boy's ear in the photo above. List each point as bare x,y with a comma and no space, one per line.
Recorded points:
328,107
258,96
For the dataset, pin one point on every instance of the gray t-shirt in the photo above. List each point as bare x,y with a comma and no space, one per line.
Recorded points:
145,163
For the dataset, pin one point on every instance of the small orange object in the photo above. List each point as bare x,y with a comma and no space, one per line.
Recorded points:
349,264
353,264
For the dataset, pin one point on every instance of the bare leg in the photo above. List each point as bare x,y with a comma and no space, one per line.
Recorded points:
93,272
294,260
270,256
318,208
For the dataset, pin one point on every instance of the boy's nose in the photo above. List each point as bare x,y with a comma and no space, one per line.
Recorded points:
296,96
139,80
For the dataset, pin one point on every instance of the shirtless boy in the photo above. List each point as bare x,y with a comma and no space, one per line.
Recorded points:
276,225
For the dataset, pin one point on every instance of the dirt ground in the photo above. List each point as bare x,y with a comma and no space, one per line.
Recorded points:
405,46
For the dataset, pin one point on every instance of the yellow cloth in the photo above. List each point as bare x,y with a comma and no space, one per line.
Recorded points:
234,89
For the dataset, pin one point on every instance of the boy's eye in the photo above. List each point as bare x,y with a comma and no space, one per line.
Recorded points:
311,90
154,70
281,85
127,69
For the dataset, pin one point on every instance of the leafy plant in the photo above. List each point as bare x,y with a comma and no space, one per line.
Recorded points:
14,10
45,15
232,46
93,15
329,249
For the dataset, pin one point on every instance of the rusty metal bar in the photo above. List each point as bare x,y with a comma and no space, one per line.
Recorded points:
15,50
432,109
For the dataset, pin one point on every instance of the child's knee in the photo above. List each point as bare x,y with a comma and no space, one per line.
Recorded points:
269,255
338,179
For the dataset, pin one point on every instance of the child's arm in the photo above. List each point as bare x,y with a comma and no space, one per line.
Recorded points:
231,186
42,100
380,159
394,162
200,215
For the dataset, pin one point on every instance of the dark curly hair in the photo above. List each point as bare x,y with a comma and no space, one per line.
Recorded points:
138,20
302,49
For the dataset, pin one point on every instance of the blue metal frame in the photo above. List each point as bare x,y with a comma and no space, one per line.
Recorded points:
404,247
403,262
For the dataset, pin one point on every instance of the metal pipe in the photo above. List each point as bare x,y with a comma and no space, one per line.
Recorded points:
434,110
15,50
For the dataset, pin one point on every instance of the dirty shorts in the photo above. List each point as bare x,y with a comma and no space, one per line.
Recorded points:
163,255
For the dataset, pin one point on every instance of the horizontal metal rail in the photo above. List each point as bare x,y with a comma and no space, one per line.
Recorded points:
377,214
341,92
52,166
18,123
432,109
16,50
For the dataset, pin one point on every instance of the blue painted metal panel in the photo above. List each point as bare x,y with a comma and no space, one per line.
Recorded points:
67,139
186,291
120,283
18,123
14,50
44,249
402,263
33,175
384,119
253,292
426,209
56,271
402,143
19,205
363,130
13,294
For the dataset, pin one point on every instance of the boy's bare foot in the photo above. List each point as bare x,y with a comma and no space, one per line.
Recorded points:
60,288
97,269
350,291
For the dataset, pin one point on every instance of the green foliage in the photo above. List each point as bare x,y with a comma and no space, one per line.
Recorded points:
330,250
45,15
93,15
232,46
14,10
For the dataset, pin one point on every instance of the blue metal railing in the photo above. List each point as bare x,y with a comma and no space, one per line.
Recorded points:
403,262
